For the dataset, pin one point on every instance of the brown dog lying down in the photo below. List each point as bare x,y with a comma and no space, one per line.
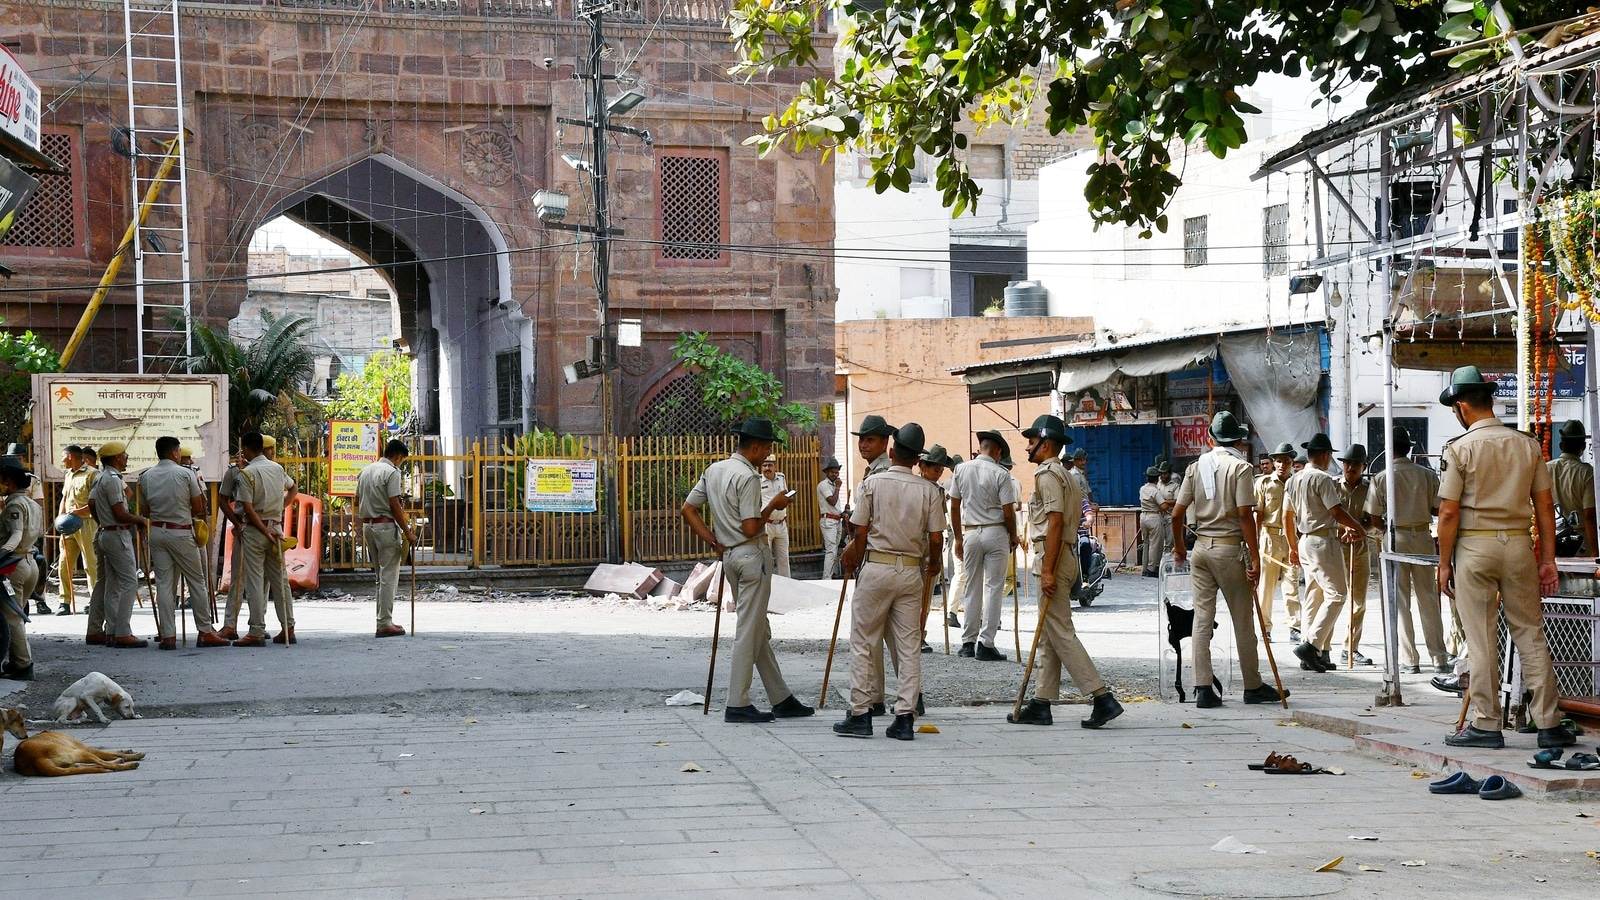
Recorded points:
50,753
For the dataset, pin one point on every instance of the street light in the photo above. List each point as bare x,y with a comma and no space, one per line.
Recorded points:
577,162
623,104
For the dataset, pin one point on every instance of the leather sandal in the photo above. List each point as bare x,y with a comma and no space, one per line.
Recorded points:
1546,759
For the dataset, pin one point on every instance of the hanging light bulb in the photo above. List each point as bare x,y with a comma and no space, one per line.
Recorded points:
1336,299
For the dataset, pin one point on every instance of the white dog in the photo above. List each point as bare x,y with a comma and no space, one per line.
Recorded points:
85,696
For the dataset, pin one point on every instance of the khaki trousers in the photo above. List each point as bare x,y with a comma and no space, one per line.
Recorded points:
22,580
386,547
830,546
1360,579
175,555
1419,588
1273,576
1322,558
985,551
230,616
1152,541
1503,564
263,574
1219,566
748,569
113,595
886,607
1059,646
778,543
73,546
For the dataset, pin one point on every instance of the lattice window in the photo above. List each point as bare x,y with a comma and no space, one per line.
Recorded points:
678,409
1275,240
693,200
1195,241
51,217
508,385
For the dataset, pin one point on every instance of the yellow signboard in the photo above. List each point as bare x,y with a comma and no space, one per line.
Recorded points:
352,446
92,410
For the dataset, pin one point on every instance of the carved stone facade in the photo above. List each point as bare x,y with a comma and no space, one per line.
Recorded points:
416,139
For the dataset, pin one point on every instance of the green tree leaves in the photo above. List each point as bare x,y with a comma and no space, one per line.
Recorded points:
736,389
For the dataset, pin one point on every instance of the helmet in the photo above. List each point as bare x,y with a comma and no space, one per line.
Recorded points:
68,524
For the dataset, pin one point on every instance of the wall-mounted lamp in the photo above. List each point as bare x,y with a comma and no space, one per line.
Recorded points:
1304,284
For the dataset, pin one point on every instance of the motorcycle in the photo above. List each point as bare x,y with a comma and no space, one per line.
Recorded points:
1093,571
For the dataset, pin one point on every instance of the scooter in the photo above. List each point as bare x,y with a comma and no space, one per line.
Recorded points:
1092,571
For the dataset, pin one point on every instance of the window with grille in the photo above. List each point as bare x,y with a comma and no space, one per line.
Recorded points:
50,219
508,385
693,208
1275,240
1195,241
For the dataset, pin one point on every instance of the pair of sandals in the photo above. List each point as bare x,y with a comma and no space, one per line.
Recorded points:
1495,787
1279,764
1577,762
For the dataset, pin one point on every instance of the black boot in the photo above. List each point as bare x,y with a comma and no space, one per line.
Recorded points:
854,726
792,708
1266,693
878,709
1310,659
42,607
902,729
1037,712
1205,697
966,650
1559,736
1105,709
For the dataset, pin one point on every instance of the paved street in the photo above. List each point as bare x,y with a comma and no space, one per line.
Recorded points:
484,777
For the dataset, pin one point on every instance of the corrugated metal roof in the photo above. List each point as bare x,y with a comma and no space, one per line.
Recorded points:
1108,349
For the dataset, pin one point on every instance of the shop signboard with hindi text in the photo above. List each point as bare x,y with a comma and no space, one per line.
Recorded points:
93,410
561,485
1191,436
352,446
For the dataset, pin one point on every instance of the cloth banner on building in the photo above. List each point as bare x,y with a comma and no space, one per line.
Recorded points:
352,446
1279,377
562,485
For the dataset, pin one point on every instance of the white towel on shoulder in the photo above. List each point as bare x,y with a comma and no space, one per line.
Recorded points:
1207,468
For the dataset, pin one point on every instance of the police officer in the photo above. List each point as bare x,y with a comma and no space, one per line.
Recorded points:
829,491
1220,487
385,528
774,483
1275,568
932,465
1358,556
263,487
1416,497
1317,526
230,487
872,443
1053,513
897,545
173,501
75,501
983,515
111,602
1490,480
1151,498
1572,483
21,524
731,490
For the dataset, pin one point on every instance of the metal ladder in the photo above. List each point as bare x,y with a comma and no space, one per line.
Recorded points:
161,239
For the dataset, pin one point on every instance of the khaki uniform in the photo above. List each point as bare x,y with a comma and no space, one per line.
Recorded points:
168,489
778,526
1493,472
877,467
21,524
832,520
899,509
1275,570
75,495
985,489
376,485
1358,562
730,490
1151,496
263,484
1055,491
1416,492
231,486
1218,560
1572,489
111,601
1311,495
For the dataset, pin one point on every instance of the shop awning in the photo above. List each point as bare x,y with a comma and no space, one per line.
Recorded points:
1070,370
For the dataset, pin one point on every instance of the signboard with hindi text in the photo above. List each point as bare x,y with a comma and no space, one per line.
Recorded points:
352,446
93,410
561,485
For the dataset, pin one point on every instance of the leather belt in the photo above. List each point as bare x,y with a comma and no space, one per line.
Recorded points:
172,526
377,521
1495,532
1275,529
832,516
1226,541
1321,532
984,525
115,527
893,559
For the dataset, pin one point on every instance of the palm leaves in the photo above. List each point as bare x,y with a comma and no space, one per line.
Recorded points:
261,377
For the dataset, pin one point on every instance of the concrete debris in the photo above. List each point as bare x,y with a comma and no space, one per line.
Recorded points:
699,580
1231,844
666,590
631,579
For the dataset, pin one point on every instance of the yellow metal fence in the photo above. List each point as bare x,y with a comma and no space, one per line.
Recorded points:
466,502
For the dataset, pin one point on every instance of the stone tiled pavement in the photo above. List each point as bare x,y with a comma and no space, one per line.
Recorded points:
590,803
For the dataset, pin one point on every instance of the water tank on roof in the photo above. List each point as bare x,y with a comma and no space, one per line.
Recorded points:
1027,298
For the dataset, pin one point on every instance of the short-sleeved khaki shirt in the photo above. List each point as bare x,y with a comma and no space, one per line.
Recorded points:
985,489
167,489
376,484
1311,495
1355,496
899,509
1416,494
1571,483
730,490
1054,491
876,467
1218,515
24,519
75,490
229,485
106,493
826,489
265,483
1493,472
769,489
1269,499
1151,497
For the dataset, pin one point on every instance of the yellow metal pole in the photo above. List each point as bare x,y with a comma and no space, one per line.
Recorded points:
477,504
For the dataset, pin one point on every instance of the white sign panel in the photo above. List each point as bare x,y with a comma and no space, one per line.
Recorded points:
19,101
561,485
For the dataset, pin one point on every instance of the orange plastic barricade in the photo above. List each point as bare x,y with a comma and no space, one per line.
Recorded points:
301,520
